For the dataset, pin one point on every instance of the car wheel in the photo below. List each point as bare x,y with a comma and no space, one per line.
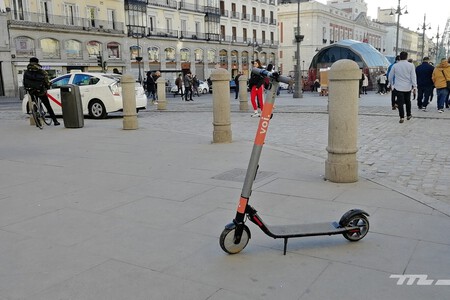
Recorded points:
97,109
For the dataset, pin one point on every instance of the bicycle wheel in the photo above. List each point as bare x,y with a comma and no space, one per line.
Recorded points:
36,114
44,116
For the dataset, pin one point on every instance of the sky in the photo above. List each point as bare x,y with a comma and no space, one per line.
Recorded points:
437,12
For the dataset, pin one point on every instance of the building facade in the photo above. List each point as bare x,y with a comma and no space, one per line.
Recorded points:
135,36
175,36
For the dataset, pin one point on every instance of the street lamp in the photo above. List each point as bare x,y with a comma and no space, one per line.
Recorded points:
437,46
424,27
298,39
138,58
399,13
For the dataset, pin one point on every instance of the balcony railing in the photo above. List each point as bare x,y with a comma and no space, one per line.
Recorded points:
41,20
167,3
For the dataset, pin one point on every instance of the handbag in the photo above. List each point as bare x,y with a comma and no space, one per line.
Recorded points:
448,82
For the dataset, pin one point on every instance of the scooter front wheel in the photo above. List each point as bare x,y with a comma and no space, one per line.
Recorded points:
362,223
227,243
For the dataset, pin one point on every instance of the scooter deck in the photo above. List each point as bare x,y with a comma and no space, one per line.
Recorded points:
299,230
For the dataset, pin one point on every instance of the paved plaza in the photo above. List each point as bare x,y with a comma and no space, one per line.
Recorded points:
104,213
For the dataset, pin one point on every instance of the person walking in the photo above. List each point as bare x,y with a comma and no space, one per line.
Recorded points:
383,81
365,84
403,78
188,86
41,92
195,85
425,85
391,82
236,82
440,76
179,84
150,87
256,85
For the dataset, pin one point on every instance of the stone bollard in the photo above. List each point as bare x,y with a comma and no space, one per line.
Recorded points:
30,107
243,94
341,165
129,102
161,88
221,106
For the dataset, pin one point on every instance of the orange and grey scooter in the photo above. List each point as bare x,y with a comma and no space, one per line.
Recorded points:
353,225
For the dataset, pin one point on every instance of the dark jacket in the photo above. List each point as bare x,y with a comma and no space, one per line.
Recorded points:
424,73
38,68
150,84
255,80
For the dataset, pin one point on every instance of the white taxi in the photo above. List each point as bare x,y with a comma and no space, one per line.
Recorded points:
100,93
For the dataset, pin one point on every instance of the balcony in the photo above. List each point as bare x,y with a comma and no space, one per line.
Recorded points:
168,3
58,22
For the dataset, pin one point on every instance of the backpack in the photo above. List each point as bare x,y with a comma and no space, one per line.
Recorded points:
34,80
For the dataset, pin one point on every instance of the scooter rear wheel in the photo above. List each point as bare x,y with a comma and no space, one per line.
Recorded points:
227,244
359,221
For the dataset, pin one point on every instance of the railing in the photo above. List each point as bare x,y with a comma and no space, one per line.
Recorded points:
41,20
166,3
235,15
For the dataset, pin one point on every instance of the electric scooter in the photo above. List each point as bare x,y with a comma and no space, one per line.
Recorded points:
353,225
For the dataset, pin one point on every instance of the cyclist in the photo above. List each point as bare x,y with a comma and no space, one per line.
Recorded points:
41,91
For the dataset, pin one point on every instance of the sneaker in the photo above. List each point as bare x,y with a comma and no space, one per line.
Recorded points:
56,123
401,120
255,115
440,110
408,117
156,102
424,109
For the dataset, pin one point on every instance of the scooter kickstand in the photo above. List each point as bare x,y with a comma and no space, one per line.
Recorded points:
285,245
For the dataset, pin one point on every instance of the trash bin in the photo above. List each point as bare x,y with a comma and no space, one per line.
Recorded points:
72,108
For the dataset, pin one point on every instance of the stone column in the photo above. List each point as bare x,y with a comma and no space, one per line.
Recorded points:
129,102
341,165
243,93
162,100
221,106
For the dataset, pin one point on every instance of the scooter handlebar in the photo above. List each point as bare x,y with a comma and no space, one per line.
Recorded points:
273,75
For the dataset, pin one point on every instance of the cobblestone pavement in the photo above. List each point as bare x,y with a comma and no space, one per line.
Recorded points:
414,155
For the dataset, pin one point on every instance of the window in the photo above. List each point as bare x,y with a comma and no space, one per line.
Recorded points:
18,10
198,53
71,14
113,50
72,49
94,48
24,46
151,24
84,79
135,51
197,28
50,48
169,25
170,54
111,19
211,56
153,54
61,81
185,55
183,28
91,13
46,11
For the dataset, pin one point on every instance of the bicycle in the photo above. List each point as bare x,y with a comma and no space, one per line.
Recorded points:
39,111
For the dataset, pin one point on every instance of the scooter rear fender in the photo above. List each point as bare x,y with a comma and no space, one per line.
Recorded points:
350,214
